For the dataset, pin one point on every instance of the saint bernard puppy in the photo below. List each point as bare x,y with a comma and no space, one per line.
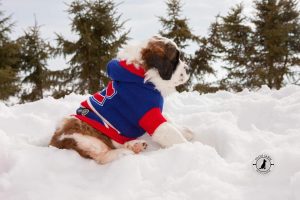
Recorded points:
107,124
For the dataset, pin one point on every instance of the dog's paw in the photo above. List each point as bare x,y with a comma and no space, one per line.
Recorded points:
187,133
136,145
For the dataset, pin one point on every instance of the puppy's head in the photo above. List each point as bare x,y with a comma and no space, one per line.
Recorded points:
161,59
162,54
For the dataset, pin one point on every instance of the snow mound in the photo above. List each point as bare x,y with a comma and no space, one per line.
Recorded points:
231,130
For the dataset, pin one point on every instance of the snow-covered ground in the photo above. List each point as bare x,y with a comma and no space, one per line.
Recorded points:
231,131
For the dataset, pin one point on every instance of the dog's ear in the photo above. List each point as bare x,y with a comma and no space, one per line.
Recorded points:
162,57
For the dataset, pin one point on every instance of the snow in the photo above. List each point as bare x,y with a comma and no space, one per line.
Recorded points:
231,130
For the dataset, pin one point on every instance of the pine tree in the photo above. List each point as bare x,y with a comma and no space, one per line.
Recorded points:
34,53
98,28
231,38
8,60
176,27
201,64
264,52
277,39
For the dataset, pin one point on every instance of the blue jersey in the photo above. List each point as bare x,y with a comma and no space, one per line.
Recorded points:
127,108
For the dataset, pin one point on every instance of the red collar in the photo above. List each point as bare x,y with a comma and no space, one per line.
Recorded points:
137,71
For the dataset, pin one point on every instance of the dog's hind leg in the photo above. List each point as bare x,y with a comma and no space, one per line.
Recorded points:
95,148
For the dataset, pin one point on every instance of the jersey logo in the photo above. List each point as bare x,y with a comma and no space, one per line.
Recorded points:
108,93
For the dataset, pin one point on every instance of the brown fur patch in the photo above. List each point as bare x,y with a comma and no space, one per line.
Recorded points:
153,48
162,56
74,125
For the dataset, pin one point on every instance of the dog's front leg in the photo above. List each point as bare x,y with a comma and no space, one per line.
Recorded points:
167,134
186,132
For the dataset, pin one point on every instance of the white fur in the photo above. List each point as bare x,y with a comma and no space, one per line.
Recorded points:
132,53
186,132
167,87
116,144
163,86
167,135
163,39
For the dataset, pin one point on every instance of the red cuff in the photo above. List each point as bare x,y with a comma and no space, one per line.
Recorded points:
151,120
